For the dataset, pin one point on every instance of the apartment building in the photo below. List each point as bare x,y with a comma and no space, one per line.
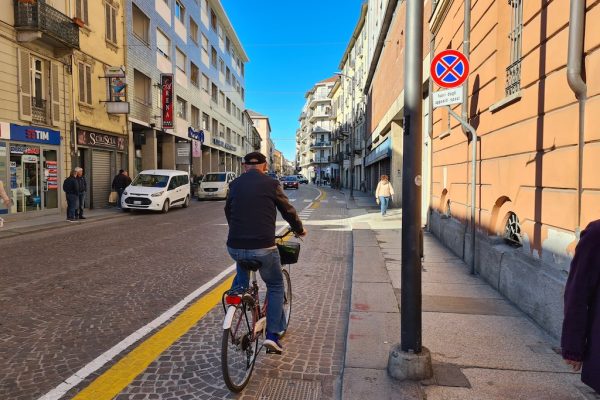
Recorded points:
536,184
100,97
278,161
188,69
263,126
37,44
313,139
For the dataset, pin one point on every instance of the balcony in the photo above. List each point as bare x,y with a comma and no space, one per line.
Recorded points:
319,114
319,145
37,20
317,99
320,160
39,111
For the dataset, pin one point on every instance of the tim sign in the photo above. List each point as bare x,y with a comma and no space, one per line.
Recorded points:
166,82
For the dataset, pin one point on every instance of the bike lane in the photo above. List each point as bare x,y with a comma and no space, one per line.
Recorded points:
182,360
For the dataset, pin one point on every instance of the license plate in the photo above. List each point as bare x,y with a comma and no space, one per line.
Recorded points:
138,202
210,194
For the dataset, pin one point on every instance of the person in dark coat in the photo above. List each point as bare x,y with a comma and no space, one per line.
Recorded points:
120,183
71,188
81,195
581,327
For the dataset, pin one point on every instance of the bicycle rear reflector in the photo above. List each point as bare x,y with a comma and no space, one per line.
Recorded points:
233,300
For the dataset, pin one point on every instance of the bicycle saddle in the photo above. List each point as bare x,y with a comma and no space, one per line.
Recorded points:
250,265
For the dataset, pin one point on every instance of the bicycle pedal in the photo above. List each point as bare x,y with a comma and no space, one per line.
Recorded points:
269,351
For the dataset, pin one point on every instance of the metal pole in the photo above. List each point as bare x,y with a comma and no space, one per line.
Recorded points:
411,324
352,138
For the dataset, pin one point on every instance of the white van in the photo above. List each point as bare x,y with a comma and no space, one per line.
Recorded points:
158,190
215,185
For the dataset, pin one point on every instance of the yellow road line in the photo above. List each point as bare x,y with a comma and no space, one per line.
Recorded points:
120,375
317,202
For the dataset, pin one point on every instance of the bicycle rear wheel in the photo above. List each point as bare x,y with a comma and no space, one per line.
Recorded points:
239,350
287,297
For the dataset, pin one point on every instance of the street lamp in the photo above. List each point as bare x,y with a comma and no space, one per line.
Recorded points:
352,133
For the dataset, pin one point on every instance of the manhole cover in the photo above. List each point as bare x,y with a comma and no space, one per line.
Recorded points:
290,389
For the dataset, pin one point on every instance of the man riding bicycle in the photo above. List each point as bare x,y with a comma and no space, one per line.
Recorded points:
251,211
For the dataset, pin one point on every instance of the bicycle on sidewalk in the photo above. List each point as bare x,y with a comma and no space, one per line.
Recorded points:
245,319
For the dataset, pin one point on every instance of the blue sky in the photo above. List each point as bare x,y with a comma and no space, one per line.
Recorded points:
291,46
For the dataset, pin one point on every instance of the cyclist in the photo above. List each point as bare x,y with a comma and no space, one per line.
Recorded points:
251,211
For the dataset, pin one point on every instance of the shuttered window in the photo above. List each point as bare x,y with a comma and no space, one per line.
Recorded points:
194,74
141,23
110,14
81,10
85,83
180,59
163,44
141,88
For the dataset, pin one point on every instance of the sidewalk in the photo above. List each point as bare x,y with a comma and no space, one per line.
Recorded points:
482,347
46,222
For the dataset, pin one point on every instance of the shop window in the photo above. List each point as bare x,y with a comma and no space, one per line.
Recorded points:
141,25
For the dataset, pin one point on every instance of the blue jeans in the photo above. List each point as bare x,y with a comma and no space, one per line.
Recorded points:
384,201
270,272
81,198
72,204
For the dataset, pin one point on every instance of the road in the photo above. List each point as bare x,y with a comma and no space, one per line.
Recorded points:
71,293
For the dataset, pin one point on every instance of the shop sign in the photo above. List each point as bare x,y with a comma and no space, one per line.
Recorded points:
96,139
23,149
182,152
223,144
114,72
196,148
198,135
166,84
34,134
382,151
26,158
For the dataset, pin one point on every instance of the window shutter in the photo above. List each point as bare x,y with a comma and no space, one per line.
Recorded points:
81,82
25,112
107,19
54,93
88,81
114,24
85,11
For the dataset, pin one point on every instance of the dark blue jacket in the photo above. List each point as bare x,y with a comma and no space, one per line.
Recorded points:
251,211
581,327
71,186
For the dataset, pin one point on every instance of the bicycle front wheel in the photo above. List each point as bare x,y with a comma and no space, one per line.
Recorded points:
287,297
239,349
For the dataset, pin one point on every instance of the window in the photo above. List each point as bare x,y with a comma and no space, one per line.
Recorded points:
222,99
228,75
194,74
221,130
213,56
195,117
38,81
163,44
85,83
213,20
179,11
205,121
205,83
227,44
180,59
110,14
193,31
215,127
141,23
221,32
205,44
222,65
513,71
81,10
228,137
141,88
181,108
242,67
215,93
228,106
243,93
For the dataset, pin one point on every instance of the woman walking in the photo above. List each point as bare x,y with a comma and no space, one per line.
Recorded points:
384,193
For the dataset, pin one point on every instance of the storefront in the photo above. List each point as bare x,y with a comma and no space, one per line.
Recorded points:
101,155
377,163
29,161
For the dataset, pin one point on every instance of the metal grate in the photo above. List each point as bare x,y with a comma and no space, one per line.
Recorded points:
39,110
284,389
513,72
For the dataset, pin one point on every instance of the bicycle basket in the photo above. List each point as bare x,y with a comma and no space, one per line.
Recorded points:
289,252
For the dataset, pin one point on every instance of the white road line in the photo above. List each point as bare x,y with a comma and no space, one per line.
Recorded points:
340,201
94,365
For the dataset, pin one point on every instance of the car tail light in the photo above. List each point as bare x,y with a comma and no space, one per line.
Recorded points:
233,300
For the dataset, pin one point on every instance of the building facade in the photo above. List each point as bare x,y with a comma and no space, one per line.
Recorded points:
263,127
187,66
538,139
37,44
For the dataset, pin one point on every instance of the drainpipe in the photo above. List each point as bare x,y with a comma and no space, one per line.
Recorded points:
467,52
578,86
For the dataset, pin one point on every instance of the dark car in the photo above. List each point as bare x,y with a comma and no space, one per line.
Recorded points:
289,182
302,179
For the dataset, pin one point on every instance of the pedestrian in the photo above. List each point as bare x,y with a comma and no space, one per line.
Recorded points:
71,189
580,339
120,183
3,196
82,190
384,193
251,212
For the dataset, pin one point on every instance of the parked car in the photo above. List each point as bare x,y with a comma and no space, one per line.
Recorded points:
302,178
290,182
273,175
157,190
215,185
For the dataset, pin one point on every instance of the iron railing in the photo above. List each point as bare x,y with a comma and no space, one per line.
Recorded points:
39,16
39,112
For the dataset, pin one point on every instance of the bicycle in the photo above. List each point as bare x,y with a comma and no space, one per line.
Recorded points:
245,319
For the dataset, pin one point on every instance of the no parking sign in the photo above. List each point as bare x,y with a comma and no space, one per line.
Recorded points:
449,69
